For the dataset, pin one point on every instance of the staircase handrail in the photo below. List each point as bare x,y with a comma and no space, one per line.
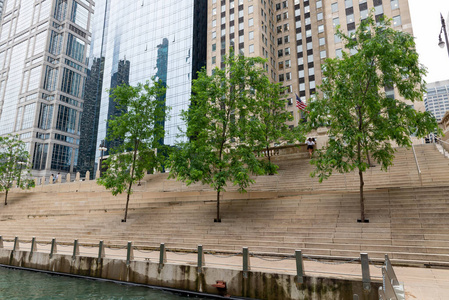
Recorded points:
416,161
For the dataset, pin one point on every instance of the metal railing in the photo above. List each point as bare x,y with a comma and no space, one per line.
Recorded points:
118,252
417,164
391,289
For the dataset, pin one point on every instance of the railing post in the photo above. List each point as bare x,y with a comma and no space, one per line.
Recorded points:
101,250
129,253
53,247
76,249
162,256
299,267
33,245
246,265
16,244
1,242
201,261
366,278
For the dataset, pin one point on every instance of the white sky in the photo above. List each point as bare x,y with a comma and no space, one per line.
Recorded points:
426,24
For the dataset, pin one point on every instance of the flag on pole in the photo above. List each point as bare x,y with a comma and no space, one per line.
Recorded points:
299,104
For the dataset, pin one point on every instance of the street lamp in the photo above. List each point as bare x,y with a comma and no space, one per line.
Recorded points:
21,163
443,30
102,149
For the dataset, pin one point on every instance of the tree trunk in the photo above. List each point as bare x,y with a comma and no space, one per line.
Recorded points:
136,144
6,197
270,172
218,219
362,200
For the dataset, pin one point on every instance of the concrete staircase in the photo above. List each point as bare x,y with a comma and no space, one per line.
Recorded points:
281,213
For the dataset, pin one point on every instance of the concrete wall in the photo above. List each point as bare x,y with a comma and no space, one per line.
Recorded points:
258,285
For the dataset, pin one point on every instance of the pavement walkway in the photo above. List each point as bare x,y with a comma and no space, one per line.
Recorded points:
419,283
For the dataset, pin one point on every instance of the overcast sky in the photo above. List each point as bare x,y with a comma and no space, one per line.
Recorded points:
426,27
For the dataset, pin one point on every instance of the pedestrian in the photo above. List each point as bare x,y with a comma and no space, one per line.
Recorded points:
57,176
310,143
53,177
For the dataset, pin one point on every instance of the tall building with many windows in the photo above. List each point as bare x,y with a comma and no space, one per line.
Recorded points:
43,45
295,36
436,99
133,41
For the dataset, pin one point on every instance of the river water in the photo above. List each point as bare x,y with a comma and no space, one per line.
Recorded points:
26,285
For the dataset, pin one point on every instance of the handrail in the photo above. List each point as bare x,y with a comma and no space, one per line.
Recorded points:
417,164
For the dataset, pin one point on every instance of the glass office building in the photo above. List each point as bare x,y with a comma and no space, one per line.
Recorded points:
43,46
131,42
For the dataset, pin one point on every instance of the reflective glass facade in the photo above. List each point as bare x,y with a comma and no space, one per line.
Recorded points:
43,66
131,42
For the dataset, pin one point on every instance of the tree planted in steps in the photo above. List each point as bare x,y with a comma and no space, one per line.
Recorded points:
272,117
14,165
223,127
357,101
140,128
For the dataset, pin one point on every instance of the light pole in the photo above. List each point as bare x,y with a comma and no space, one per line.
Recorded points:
443,30
102,149
21,163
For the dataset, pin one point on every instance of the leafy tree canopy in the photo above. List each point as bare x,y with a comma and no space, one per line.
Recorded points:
14,165
140,130
225,125
357,103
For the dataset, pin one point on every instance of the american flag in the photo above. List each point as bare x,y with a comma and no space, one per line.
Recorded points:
299,104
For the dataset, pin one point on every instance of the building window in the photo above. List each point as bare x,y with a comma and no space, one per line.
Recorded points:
319,16
214,60
280,53
281,77
335,22
394,4
338,53
288,76
320,28
322,41
214,23
280,41
251,22
61,158
251,35
250,9
319,4
287,51
288,63
214,11
397,21
323,54
251,48
214,34
286,39
334,7
281,65
75,48
350,18
348,3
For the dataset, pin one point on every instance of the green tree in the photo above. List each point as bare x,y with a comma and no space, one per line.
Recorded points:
140,128
223,126
272,117
13,164
362,119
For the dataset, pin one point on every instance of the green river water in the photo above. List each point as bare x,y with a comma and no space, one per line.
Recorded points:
25,285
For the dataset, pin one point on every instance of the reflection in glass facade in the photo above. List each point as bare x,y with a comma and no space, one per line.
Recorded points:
43,45
131,42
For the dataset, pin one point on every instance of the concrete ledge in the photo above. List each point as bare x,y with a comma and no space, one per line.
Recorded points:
257,285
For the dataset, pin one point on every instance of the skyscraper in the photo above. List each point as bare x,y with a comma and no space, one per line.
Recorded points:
295,36
133,41
436,100
43,47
